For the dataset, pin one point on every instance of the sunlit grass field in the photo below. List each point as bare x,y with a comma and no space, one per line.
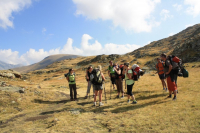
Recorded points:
48,109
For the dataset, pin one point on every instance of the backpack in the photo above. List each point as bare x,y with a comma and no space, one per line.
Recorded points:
185,73
176,63
135,69
95,77
68,75
117,76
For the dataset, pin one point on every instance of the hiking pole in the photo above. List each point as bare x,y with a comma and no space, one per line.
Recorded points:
110,89
89,90
105,92
125,84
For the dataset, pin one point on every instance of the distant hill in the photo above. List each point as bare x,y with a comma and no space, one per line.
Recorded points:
45,62
5,66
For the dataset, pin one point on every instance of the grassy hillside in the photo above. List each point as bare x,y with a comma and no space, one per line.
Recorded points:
45,106
45,62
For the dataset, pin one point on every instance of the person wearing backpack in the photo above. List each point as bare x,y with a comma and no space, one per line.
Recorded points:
119,80
111,73
129,81
97,79
89,82
72,84
161,74
176,67
170,76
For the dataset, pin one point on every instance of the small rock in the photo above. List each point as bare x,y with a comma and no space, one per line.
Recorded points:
19,99
13,102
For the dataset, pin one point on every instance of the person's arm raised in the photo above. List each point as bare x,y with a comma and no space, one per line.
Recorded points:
117,71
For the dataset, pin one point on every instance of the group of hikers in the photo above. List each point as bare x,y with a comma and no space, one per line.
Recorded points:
168,67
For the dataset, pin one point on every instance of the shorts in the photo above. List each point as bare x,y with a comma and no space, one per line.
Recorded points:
98,87
113,80
162,76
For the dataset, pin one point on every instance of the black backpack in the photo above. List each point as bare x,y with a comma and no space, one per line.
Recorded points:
95,77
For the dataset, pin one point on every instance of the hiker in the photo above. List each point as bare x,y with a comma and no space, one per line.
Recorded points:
89,82
119,80
175,71
161,74
129,81
97,79
111,73
72,84
170,76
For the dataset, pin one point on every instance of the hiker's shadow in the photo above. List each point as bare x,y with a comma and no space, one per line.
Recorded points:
137,106
50,102
54,111
84,103
150,96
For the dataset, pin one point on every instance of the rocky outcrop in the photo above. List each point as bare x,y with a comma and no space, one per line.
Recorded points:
10,74
189,51
9,88
100,59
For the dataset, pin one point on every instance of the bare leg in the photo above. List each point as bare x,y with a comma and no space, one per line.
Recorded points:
133,97
95,97
100,95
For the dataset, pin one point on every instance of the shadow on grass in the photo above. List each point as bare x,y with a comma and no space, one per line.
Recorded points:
151,96
54,111
50,102
137,106
85,103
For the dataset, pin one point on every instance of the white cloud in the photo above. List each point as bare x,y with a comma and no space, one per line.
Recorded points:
178,7
44,30
86,49
165,14
7,7
188,25
171,34
194,7
131,15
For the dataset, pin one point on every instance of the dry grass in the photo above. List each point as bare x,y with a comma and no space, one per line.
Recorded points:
49,110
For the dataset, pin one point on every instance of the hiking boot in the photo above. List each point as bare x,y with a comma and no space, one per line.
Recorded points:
117,96
75,99
100,104
122,96
163,88
166,89
174,98
94,104
134,102
86,97
71,99
170,96
128,101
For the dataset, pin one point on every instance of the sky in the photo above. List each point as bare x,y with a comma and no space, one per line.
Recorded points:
31,30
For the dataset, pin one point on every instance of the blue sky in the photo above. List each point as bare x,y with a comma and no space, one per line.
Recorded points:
30,30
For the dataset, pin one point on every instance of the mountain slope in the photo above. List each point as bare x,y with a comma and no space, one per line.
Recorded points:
45,62
5,66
